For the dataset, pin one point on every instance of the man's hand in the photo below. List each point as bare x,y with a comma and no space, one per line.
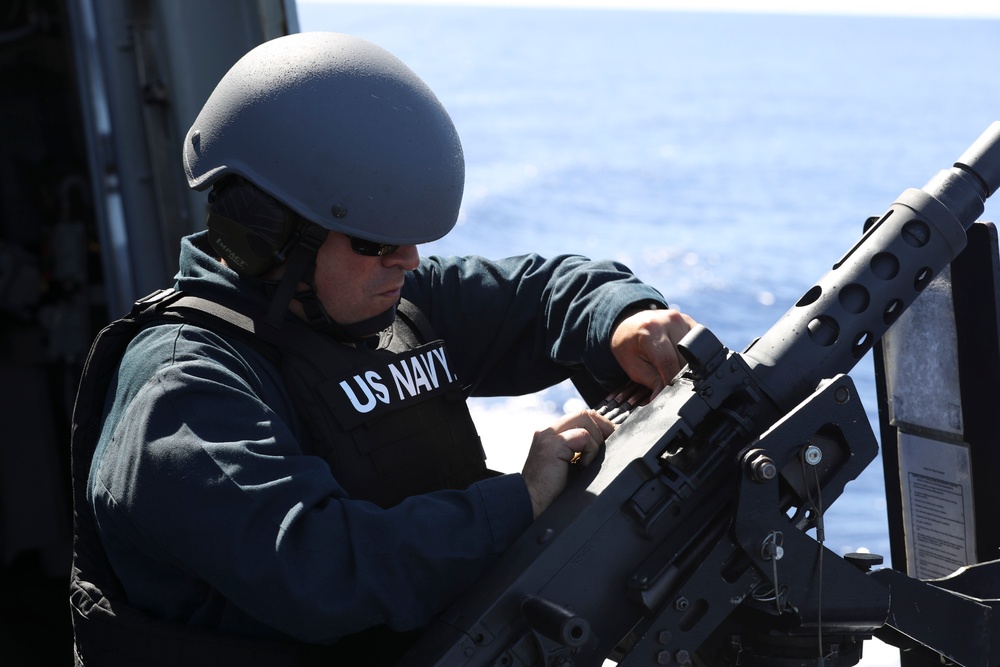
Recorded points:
573,440
645,345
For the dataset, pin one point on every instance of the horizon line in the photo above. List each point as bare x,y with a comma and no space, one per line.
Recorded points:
959,9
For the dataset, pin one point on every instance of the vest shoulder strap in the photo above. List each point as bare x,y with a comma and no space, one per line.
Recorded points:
416,319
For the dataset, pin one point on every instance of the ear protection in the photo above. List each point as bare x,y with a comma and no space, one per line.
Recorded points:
249,229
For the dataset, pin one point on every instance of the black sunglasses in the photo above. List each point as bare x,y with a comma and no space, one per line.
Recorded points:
371,248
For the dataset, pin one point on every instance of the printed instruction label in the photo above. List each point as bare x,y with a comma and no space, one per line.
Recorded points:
937,506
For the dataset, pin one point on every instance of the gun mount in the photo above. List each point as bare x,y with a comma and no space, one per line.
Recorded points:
687,541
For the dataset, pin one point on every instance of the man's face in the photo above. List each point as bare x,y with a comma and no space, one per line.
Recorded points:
354,287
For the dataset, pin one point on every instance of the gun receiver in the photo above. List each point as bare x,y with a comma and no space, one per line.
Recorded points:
686,541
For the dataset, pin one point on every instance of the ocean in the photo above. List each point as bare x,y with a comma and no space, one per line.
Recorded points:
728,159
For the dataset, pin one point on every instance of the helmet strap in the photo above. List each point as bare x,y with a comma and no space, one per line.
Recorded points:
299,267
317,318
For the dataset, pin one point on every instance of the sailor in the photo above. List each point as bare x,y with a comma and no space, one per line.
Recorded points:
281,466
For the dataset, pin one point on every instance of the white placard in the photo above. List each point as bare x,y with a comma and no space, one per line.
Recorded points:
937,506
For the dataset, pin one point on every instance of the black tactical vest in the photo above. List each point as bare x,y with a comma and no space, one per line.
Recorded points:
391,422
400,406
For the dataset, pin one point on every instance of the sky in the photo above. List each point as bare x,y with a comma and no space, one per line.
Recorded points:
952,8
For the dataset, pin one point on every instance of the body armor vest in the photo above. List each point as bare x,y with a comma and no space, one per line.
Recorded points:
391,422
400,406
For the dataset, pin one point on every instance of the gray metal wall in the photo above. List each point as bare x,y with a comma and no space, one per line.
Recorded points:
145,67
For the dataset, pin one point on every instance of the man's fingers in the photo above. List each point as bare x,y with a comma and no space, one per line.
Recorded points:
581,445
597,425
573,438
645,345
582,435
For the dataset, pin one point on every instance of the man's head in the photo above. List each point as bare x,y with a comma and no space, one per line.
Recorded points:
339,132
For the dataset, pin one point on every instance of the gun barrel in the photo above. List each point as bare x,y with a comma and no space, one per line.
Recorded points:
983,159
838,320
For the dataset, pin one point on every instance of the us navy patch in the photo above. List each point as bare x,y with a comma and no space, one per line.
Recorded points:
389,384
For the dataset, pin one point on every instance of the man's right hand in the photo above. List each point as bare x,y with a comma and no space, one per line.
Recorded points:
573,440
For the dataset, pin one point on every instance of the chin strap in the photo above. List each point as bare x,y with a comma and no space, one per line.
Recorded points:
301,268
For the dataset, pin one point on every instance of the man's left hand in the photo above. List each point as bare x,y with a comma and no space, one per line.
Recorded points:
645,345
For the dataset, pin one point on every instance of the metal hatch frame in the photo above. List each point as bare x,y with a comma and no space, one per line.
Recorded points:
144,68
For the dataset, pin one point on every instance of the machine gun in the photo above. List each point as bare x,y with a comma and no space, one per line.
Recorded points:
688,540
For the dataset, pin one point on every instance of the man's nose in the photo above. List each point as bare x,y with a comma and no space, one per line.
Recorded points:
405,256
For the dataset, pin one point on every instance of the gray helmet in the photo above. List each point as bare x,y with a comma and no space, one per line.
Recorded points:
340,131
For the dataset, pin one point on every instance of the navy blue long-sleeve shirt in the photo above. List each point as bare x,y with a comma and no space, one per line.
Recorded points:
212,515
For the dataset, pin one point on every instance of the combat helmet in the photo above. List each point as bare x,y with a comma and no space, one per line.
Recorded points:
340,131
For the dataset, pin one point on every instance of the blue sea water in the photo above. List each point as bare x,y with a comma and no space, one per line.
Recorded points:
728,159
